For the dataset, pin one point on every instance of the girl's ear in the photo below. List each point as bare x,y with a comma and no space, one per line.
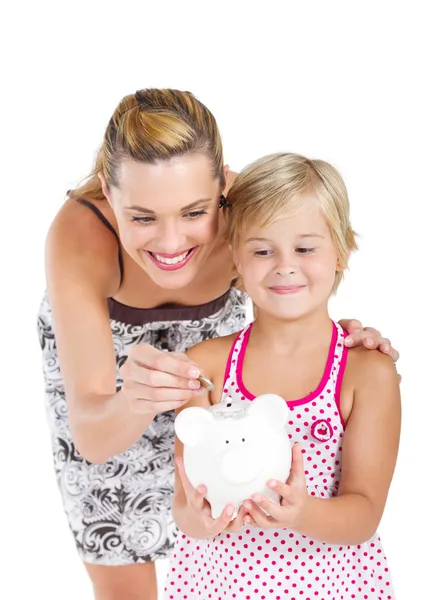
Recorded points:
237,263
339,267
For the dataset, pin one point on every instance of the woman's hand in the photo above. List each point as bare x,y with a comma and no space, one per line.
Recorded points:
155,381
368,337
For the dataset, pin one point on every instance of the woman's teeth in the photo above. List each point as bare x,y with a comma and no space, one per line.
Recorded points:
171,261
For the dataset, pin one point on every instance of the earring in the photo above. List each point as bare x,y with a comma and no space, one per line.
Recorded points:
224,203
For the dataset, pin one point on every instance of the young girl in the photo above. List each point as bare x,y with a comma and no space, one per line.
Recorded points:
290,234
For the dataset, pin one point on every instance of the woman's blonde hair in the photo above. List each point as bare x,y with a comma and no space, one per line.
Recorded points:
273,188
154,125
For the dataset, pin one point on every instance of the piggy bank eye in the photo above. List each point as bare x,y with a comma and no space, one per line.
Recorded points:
243,439
227,441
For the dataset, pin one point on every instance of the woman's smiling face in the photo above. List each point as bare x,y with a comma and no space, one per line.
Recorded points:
167,215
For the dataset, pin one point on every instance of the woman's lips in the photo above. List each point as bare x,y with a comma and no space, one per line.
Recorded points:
171,262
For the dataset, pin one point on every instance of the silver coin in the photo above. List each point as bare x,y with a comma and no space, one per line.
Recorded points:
206,383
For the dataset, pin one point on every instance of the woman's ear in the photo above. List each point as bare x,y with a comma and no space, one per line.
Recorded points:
230,177
105,188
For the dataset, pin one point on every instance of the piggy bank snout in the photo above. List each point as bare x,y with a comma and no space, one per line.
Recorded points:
239,466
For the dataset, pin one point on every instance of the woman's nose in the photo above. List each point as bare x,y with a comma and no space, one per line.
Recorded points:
172,238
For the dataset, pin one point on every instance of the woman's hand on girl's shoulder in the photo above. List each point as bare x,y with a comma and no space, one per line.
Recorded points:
370,338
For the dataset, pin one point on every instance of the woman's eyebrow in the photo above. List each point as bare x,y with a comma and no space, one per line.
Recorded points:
144,210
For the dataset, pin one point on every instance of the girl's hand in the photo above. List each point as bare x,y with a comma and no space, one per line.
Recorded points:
155,381
238,522
368,337
200,521
294,500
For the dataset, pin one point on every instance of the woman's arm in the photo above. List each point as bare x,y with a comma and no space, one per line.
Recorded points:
82,272
80,255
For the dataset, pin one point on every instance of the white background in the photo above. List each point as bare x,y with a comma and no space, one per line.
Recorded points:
349,82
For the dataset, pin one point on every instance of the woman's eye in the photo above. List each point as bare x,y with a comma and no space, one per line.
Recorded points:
305,250
143,220
195,214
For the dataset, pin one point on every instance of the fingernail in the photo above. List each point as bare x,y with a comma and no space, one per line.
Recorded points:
257,498
369,341
194,384
247,506
200,489
386,348
271,483
349,341
193,373
229,511
247,520
199,392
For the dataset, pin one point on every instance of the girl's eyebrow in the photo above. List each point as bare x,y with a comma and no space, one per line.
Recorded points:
303,235
257,239
148,211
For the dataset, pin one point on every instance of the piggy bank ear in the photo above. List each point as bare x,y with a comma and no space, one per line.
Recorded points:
271,409
192,425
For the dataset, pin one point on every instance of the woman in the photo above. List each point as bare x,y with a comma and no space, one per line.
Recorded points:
136,266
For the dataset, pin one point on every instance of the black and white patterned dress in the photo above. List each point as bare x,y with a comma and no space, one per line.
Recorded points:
120,511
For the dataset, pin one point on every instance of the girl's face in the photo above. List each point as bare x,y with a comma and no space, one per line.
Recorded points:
168,216
289,267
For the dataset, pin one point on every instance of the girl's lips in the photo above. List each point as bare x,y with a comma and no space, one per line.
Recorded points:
286,289
174,266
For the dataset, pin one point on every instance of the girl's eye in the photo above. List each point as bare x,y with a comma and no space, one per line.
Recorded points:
305,250
143,220
195,214
262,253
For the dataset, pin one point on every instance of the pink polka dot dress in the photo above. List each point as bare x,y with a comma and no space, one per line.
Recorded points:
256,564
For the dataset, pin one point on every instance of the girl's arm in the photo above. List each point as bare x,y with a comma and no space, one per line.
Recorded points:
368,460
369,454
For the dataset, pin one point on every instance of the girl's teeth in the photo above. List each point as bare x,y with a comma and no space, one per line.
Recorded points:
171,261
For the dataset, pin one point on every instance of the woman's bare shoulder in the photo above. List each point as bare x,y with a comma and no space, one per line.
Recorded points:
77,238
79,223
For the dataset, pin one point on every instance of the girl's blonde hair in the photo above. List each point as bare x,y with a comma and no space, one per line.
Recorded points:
273,188
154,125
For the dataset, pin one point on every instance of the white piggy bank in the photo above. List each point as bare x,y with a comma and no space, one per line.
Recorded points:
234,448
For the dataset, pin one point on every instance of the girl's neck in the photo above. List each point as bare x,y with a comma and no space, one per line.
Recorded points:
285,337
